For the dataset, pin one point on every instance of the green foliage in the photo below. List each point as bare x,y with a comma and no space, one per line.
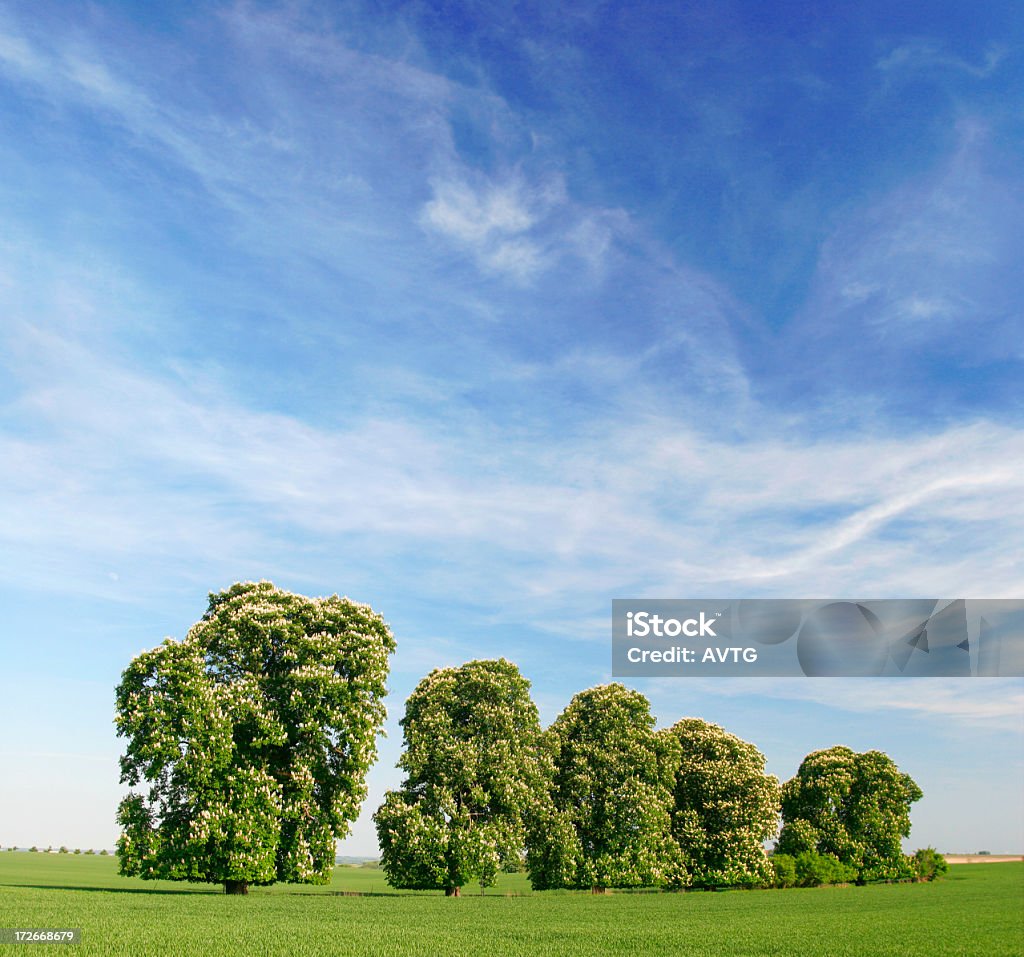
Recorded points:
928,864
63,850
813,870
255,734
725,807
855,807
608,823
476,772
784,870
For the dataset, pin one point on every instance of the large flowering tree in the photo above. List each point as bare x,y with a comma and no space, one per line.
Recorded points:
725,807
609,819
254,735
476,772
855,807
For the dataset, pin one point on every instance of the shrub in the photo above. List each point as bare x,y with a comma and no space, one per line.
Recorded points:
813,870
63,849
928,864
78,850
785,870
103,853
33,849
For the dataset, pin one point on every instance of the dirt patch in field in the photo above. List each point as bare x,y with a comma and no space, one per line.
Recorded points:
982,858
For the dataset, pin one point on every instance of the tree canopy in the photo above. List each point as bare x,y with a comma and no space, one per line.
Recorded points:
608,821
855,807
254,735
476,772
724,808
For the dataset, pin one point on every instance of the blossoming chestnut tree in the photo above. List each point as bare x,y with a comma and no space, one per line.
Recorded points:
855,807
254,735
609,819
476,774
725,807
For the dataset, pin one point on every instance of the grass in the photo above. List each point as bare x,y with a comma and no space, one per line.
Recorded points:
977,910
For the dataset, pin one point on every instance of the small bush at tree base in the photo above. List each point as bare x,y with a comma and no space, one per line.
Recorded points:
813,870
785,870
928,864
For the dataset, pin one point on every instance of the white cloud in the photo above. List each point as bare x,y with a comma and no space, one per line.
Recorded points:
513,228
473,217
926,270
924,54
647,506
993,703
18,56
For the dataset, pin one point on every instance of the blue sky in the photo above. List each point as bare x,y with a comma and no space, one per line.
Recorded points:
486,316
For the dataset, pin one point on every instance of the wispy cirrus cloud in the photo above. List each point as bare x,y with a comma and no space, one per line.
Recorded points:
923,54
995,703
116,451
494,224
521,229
917,293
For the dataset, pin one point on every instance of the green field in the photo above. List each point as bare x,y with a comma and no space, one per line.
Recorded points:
978,909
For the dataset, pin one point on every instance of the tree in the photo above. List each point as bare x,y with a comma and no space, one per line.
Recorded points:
475,772
853,806
255,734
608,821
725,807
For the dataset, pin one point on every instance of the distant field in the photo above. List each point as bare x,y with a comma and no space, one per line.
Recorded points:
982,858
975,911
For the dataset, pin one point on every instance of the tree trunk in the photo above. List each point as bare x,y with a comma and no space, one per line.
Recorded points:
453,892
597,889
236,887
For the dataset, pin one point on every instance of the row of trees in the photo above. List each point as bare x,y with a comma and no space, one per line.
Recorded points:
254,734
601,799
62,850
